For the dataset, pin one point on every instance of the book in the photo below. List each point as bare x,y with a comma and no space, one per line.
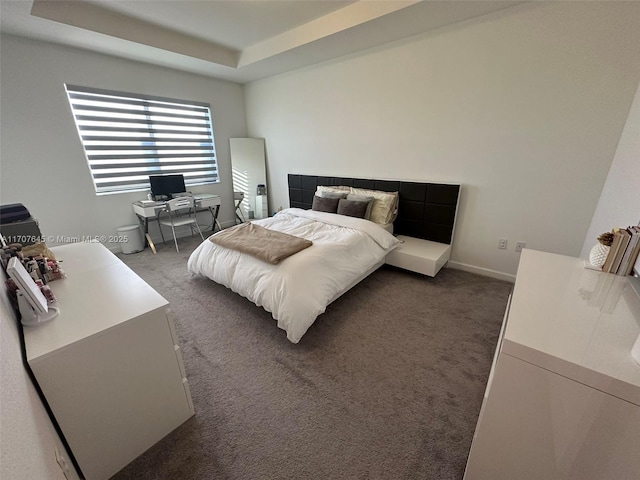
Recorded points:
624,243
631,255
613,251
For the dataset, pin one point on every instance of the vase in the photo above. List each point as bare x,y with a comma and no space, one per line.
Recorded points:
598,254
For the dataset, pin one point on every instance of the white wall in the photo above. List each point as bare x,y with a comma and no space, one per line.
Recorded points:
27,438
619,204
524,108
42,162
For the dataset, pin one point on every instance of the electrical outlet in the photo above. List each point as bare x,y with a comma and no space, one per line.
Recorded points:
520,246
502,243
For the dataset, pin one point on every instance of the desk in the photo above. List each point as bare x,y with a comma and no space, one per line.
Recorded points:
204,201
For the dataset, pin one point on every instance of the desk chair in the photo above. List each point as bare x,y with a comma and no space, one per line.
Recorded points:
239,197
175,210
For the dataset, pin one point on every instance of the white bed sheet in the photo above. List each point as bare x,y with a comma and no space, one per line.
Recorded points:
300,287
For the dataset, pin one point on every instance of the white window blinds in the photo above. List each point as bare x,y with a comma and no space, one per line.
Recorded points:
127,137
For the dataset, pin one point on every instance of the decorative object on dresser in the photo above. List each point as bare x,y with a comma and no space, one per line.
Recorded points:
30,269
563,396
424,221
600,250
623,252
631,254
32,302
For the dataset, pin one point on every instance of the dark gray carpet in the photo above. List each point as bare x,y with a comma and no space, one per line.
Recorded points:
387,384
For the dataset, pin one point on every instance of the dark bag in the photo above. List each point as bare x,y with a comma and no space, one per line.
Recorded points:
13,212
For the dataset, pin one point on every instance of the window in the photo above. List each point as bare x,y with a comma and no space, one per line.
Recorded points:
127,137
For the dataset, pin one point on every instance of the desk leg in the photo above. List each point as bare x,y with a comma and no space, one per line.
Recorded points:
239,215
144,227
214,215
150,242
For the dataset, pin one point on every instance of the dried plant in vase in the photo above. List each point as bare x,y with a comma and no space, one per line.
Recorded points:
600,250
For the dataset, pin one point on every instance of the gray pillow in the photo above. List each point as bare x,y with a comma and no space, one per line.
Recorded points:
352,208
323,204
363,198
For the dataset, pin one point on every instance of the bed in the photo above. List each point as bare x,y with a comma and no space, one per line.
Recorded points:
298,289
345,249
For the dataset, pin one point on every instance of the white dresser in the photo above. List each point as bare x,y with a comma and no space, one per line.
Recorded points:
563,396
109,365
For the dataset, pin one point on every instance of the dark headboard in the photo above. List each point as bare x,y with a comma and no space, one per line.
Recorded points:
426,210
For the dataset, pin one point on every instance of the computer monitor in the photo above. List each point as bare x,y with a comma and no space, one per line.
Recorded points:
167,185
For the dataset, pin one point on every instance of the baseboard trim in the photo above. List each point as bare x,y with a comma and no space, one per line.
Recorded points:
487,272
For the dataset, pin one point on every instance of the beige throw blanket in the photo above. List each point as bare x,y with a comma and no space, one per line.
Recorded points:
268,245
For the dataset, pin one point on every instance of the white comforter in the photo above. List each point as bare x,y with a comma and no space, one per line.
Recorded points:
301,286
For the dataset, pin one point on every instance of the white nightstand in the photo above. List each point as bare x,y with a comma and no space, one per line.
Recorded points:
418,255
262,209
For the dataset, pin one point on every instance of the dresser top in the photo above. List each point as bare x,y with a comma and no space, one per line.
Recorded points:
576,322
100,292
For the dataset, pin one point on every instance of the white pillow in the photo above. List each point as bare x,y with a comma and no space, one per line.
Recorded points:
385,204
339,195
332,192
387,226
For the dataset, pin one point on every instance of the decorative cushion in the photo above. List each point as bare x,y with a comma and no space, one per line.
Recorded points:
352,208
363,198
385,204
323,204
